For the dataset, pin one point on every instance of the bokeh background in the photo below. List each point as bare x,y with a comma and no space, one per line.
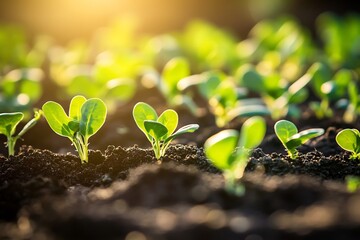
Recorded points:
68,19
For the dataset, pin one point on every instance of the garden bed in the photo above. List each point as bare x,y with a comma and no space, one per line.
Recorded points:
124,189
122,193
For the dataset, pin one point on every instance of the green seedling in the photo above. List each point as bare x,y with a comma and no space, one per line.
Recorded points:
353,104
86,116
352,183
167,81
8,124
159,130
349,140
280,97
291,138
229,150
20,89
226,100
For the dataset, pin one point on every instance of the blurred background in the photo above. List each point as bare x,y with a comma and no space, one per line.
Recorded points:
68,19
214,60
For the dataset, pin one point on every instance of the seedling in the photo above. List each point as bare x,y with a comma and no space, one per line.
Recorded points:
226,100
20,89
221,150
349,140
8,124
289,136
280,97
159,130
85,118
352,183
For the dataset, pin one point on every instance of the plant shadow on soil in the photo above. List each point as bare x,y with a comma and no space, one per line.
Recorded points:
123,194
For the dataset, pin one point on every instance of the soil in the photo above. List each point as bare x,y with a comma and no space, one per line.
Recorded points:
123,193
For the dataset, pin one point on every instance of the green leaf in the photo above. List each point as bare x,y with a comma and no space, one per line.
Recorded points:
121,89
220,147
347,139
252,132
93,115
9,121
169,118
306,135
174,70
75,107
248,77
142,112
284,130
292,144
155,129
57,119
185,129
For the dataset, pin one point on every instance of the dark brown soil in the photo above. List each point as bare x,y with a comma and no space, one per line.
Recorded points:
123,194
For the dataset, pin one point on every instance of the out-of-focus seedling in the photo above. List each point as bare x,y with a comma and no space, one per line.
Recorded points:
8,124
280,97
353,104
229,150
167,81
226,100
85,118
349,140
291,138
159,130
352,183
20,89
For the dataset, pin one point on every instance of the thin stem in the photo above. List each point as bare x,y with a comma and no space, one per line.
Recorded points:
81,145
11,141
293,153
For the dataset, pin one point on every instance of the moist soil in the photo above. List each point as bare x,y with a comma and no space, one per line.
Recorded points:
123,192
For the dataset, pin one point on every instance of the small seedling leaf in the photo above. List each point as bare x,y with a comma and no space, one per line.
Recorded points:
293,144
284,130
142,112
252,132
75,107
185,129
9,121
175,70
306,135
155,129
220,147
169,118
347,139
93,115
57,119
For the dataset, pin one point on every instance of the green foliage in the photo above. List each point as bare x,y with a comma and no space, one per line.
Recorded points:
349,140
104,79
225,99
8,124
352,104
280,97
341,37
86,117
209,46
291,138
352,183
174,71
20,89
160,131
221,150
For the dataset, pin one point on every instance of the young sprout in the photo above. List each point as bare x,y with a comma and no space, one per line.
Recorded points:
159,130
221,150
349,140
85,118
8,123
289,136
